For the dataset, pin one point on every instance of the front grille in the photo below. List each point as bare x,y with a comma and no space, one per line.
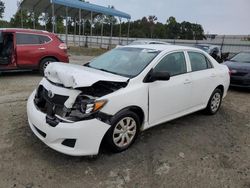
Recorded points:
50,104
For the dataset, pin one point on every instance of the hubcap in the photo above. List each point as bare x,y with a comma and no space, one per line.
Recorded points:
124,132
215,102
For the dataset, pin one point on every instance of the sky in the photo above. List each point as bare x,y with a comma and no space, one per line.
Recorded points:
216,16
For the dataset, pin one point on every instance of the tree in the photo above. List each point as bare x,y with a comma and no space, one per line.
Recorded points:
152,20
2,7
172,28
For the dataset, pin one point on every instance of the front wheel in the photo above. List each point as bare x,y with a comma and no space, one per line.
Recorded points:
214,102
123,132
44,63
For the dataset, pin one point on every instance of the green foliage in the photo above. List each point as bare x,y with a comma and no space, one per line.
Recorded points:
4,24
147,27
2,7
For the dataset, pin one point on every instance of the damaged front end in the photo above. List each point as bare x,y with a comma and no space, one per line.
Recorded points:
84,105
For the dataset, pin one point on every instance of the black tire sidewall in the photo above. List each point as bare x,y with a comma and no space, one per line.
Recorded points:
41,65
109,136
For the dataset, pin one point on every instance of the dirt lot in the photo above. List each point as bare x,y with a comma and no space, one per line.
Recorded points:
193,151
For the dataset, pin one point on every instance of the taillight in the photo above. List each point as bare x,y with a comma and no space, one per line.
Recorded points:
63,46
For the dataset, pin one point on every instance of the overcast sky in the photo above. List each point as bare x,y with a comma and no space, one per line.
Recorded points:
216,16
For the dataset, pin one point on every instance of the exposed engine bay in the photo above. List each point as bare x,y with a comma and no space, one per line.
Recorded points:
85,105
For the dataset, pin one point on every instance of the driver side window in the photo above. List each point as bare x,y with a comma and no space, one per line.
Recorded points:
174,64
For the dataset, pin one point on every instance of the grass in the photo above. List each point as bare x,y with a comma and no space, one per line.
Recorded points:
86,51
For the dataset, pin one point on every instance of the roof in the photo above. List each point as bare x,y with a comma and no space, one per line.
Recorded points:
22,30
40,6
161,47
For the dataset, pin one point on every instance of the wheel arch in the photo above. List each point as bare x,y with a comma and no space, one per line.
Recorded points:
221,87
53,57
137,110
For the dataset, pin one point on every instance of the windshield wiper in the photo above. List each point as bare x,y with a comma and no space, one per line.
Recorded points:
104,70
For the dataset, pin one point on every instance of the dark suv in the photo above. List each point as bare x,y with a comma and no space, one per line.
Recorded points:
30,49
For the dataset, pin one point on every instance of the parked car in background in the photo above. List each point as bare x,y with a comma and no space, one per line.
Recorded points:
212,50
122,92
239,67
141,42
25,49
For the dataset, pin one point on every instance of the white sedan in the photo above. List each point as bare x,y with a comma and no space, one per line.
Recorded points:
120,93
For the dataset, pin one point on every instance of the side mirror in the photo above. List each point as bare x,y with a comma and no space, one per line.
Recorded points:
157,75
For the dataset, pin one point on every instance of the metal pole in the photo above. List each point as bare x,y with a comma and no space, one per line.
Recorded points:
34,20
21,17
53,17
66,27
80,21
111,35
91,31
74,31
120,32
128,30
83,30
101,34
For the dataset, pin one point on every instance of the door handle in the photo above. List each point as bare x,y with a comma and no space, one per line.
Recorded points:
187,81
41,48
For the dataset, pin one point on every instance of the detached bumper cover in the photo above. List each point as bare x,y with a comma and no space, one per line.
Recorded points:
87,134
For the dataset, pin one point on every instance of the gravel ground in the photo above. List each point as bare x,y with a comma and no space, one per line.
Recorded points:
193,151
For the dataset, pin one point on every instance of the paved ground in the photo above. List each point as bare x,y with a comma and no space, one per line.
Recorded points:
193,151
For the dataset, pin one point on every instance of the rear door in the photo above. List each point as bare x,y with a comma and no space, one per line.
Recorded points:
203,78
30,49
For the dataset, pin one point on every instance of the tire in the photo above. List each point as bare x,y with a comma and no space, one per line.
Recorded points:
214,102
119,138
44,63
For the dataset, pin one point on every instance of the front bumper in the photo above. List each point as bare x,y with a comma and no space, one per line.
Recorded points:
236,81
87,134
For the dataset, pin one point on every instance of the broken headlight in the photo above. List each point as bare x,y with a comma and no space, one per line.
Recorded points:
88,107
85,106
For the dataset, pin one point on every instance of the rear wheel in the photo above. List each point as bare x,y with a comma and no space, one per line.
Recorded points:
214,102
44,63
123,132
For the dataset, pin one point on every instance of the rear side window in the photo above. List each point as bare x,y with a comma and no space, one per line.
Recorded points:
174,64
44,39
199,61
31,39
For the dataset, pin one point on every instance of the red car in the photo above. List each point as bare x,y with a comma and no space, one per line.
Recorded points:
22,49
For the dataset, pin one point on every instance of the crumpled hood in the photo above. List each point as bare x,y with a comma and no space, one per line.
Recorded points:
75,76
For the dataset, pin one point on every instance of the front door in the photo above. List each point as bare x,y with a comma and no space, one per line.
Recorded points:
169,98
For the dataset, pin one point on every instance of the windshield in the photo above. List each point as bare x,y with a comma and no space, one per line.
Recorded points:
128,62
242,57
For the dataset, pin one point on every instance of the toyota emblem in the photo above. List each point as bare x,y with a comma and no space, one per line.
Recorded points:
50,94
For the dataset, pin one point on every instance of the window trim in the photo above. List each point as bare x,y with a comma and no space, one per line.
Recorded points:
172,52
33,34
207,60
